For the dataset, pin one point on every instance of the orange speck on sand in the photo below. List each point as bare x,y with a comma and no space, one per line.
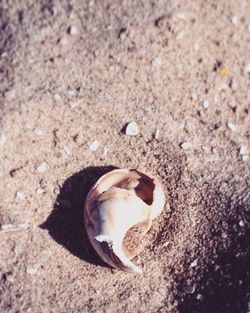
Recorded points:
224,71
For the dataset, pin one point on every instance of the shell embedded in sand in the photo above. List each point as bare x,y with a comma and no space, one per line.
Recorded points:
118,201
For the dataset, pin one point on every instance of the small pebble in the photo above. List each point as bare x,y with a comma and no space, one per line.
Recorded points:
73,30
224,235
243,150
94,145
67,150
206,149
72,93
132,129
231,126
57,97
205,104
2,140
32,270
63,41
196,47
234,20
247,69
40,191
10,94
157,133
14,227
198,297
245,157
241,223
186,145
105,151
156,62
224,72
181,16
194,263
38,131
20,195
42,167
194,96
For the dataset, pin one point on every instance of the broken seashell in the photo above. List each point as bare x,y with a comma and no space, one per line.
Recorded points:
118,201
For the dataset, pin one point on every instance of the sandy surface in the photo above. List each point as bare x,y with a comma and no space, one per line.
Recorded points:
72,72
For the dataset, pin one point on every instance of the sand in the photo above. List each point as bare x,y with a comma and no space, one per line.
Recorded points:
72,75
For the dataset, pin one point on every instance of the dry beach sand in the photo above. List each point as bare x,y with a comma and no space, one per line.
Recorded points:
72,74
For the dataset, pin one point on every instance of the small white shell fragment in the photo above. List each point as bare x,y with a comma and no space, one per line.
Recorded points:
156,62
132,129
224,235
199,296
157,133
73,30
94,145
42,167
243,150
196,47
119,200
194,96
186,145
67,150
234,20
205,104
40,191
194,263
231,126
241,223
38,131
31,270
20,195
181,16
14,227
63,41
2,139
10,94
245,157
247,69
57,97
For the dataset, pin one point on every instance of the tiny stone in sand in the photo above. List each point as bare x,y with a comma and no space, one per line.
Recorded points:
94,145
231,126
10,94
32,270
42,167
205,104
194,263
2,140
57,97
234,20
243,150
156,62
73,30
132,129
14,227
241,223
40,191
63,41
67,150
38,131
186,145
157,133
247,68
20,195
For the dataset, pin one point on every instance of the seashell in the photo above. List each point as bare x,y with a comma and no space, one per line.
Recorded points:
118,201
